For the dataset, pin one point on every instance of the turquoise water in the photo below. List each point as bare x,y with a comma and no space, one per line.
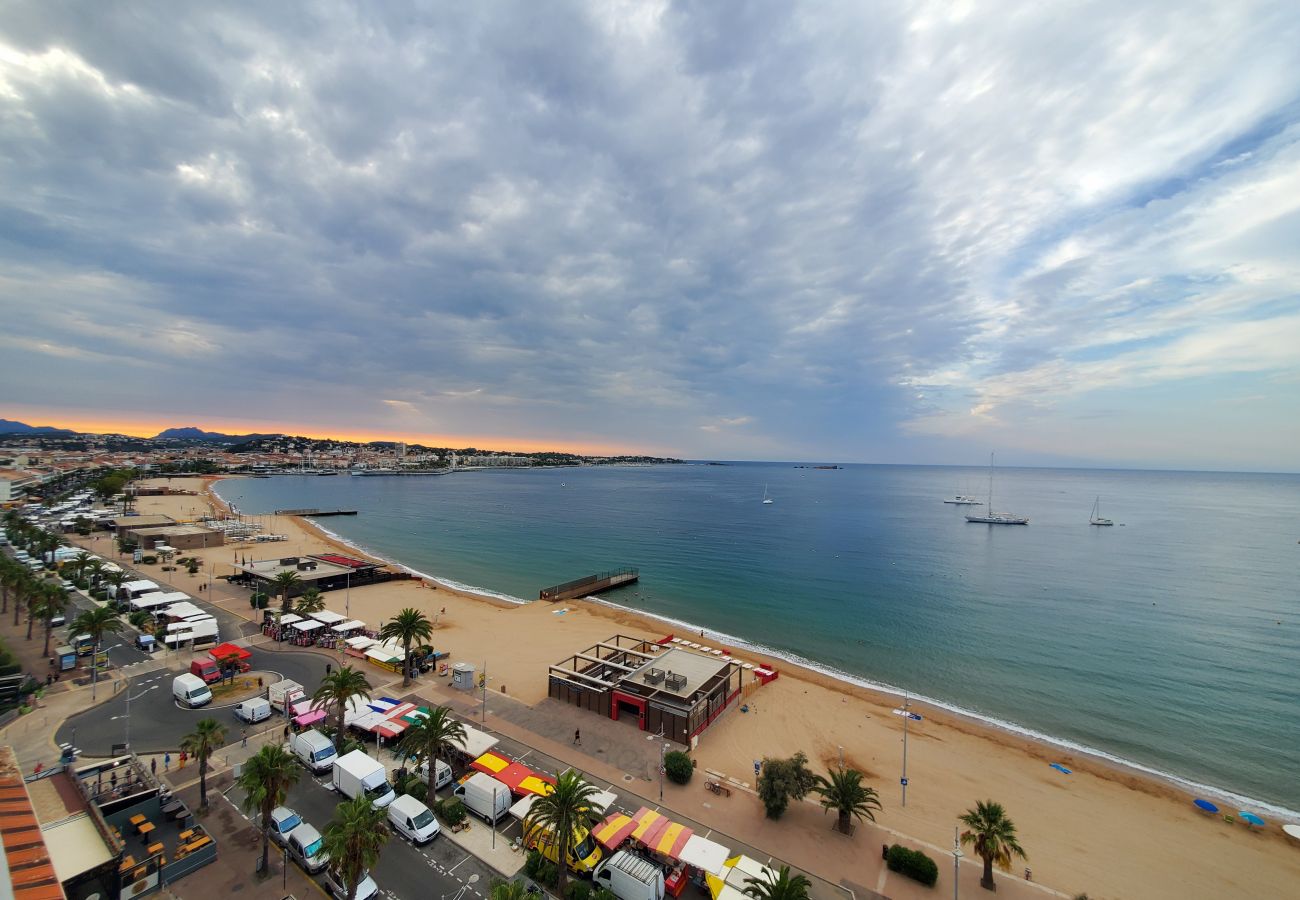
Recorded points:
1169,641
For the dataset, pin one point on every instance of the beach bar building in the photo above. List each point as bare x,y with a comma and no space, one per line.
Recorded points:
660,687
328,572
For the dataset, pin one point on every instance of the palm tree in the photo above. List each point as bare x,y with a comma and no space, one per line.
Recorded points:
353,840
79,564
55,603
266,778
208,735
10,572
310,602
116,579
778,885
36,601
407,626
845,793
140,620
96,622
23,594
429,738
508,890
284,583
557,816
994,837
336,690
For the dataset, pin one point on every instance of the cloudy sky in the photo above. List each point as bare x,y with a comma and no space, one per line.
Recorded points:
844,231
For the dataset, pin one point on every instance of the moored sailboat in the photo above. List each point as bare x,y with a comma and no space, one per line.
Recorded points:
996,518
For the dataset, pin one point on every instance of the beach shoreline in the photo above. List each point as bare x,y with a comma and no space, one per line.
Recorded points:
1020,761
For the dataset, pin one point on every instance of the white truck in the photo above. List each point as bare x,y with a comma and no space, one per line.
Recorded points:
484,796
631,877
412,820
314,750
284,694
191,690
357,775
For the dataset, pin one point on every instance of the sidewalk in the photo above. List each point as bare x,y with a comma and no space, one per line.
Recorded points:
804,837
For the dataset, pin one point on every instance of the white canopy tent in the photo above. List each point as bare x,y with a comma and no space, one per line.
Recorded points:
350,625
706,855
327,617
309,625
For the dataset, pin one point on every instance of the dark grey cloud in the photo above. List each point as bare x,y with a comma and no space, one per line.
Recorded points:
760,229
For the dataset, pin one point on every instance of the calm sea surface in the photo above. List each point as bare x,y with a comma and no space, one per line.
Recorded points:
1171,640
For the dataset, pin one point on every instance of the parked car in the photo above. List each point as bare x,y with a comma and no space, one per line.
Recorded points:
366,887
283,821
305,846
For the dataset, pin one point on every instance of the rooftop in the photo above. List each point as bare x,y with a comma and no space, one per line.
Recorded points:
163,530
678,672
270,568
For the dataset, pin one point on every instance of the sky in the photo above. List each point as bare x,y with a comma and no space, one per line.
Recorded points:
834,231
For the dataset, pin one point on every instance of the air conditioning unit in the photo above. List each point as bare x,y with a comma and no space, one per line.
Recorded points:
652,676
675,681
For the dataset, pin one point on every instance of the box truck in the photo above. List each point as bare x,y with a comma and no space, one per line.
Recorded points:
357,775
284,694
484,796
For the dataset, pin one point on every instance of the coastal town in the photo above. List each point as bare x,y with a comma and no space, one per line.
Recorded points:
205,701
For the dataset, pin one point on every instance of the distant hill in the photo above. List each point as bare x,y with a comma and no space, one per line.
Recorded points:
9,427
198,434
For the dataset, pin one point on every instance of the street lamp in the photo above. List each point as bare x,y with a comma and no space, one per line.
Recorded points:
956,861
129,698
663,749
907,715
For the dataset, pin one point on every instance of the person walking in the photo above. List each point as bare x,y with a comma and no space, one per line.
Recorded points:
167,761
244,738
153,767
577,737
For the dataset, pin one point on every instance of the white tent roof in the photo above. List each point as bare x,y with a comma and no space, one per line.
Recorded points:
705,854
521,807
359,642
143,585
309,625
382,654
289,619
182,610
329,618
477,743
349,625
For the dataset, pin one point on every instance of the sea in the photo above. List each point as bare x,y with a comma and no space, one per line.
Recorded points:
1169,641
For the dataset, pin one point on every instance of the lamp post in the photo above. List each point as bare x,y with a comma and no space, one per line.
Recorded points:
494,816
956,861
129,698
907,704
347,596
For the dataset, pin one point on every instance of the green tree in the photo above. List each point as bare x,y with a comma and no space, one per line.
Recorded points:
54,603
558,815
678,767
79,564
408,626
508,890
353,840
336,689
141,621
310,602
778,885
993,836
783,780
115,579
265,779
845,793
284,583
207,737
428,739
96,622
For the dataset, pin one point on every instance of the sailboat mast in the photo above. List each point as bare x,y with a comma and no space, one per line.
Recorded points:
990,484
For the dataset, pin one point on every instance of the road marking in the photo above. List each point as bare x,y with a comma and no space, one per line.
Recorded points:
455,867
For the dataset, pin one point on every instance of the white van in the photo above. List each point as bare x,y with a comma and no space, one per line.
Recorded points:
314,750
441,779
191,690
631,877
254,710
413,820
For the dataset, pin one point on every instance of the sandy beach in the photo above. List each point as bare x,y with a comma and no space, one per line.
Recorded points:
1103,830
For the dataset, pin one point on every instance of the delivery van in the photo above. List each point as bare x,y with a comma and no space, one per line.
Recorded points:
314,750
412,820
631,877
441,779
484,796
254,710
357,775
191,690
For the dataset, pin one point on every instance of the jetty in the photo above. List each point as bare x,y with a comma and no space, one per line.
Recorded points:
316,512
592,584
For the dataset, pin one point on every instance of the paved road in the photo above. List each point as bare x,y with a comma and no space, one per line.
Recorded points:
158,723
438,869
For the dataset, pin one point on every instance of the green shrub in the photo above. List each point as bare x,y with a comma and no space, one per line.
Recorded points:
452,810
148,560
547,873
263,601
602,893
678,767
912,863
577,890
532,864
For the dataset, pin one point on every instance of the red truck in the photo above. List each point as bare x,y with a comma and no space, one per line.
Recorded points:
219,659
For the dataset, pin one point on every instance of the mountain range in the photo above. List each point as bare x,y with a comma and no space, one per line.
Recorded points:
8,426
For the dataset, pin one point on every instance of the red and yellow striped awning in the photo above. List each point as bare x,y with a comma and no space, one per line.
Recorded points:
614,830
490,764
669,839
646,820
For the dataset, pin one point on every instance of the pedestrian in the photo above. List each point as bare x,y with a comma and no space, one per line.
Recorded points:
153,767
577,737
286,732
328,668
167,761
184,756
112,780
259,681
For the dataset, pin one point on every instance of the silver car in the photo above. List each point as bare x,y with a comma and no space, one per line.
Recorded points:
305,846
366,887
283,821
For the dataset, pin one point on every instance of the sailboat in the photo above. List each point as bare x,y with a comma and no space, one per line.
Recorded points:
996,518
964,500
1095,518
766,498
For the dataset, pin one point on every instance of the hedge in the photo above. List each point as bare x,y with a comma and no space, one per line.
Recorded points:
912,863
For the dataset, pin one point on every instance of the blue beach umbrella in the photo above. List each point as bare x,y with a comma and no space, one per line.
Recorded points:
1205,805
1250,818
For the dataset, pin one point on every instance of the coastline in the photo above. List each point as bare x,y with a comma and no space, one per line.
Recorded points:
1017,759
1053,749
